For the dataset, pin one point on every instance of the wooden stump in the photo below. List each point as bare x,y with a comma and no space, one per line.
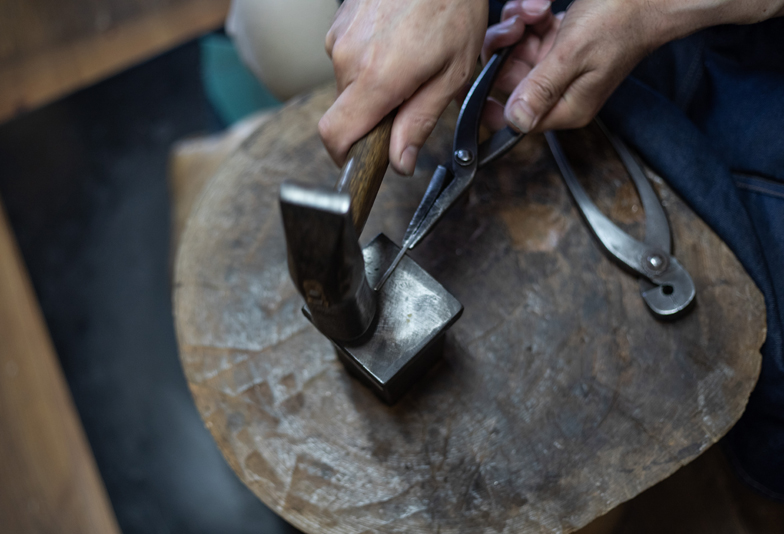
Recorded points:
559,395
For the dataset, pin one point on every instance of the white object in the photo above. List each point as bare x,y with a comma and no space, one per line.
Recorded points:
282,42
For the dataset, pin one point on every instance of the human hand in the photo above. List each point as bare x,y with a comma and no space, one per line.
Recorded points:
559,74
414,55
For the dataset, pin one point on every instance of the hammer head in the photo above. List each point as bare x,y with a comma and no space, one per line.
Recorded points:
413,312
406,318
325,261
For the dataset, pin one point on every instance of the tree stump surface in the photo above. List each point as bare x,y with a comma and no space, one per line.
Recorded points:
559,396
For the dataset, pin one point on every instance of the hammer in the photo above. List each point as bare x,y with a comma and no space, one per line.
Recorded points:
388,333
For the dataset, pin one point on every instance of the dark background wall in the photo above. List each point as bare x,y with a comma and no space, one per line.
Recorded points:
84,184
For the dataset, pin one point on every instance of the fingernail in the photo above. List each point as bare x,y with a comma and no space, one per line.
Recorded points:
522,116
535,7
408,160
508,24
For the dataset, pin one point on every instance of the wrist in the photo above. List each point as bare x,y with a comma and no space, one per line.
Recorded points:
674,19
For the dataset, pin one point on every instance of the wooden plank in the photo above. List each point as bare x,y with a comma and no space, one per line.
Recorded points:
49,48
48,479
559,395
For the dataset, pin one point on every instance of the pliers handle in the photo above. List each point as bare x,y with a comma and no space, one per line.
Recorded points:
665,285
454,177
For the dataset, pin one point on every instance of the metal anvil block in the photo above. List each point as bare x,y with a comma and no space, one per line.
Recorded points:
407,336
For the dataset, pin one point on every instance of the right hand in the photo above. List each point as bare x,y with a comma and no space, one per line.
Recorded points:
414,55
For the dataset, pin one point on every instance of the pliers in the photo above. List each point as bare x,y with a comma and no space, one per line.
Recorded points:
454,177
665,285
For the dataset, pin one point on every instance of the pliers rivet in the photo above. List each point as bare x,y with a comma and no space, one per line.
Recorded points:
655,262
464,157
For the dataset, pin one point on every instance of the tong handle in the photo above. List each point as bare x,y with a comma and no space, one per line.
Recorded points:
364,170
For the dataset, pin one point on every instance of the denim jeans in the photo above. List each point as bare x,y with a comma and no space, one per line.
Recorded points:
707,113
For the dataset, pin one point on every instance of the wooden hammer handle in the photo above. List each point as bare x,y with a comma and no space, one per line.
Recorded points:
364,170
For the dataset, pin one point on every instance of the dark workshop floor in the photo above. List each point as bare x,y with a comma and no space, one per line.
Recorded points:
84,183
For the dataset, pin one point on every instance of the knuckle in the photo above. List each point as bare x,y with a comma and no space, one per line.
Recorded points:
543,88
375,66
324,129
464,74
342,54
459,74
421,125
329,41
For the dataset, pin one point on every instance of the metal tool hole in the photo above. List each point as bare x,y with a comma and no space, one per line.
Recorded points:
667,289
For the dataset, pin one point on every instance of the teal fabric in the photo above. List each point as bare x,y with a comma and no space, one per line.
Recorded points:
231,88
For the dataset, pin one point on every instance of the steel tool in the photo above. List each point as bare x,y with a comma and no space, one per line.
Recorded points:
386,338
385,315
452,179
665,285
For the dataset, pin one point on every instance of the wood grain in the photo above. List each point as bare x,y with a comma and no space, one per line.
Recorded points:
366,164
49,48
48,479
559,396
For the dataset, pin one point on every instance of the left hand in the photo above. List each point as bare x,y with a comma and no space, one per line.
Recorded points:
560,74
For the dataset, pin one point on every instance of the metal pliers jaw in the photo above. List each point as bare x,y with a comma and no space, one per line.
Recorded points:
665,285
454,178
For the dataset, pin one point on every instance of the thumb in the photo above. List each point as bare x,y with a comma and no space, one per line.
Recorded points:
539,92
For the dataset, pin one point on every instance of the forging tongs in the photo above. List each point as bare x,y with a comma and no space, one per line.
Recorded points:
665,285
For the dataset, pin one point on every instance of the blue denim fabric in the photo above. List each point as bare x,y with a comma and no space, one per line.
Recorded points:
707,113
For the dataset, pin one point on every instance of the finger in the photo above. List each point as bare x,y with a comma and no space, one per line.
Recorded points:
527,50
331,38
502,35
355,112
535,13
540,91
510,9
493,115
581,101
535,46
548,38
415,121
339,21
344,64
569,112
512,73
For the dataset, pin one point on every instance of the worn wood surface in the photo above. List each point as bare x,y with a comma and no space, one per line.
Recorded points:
49,48
48,479
558,397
